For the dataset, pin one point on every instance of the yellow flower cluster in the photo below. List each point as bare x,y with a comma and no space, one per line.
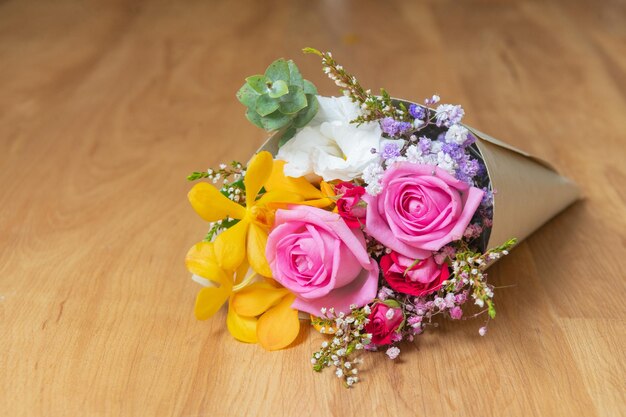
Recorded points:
259,309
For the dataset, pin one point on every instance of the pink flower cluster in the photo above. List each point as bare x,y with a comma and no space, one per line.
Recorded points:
322,256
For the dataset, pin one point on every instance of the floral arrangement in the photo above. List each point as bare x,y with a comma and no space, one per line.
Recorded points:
372,218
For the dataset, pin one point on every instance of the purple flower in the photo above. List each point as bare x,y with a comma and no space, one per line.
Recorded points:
424,145
390,150
417,112
392,127
456,152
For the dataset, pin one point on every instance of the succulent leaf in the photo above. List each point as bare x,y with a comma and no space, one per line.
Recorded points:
305,116
278,70
293,102
295,78
247,95
278,89
259,83
254,117
266,105
309,88
275,121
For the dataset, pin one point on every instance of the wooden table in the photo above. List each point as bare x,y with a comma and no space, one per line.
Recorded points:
104,110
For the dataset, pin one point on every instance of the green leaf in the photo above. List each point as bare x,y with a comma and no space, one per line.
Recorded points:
309,87
492,310
276,120
254,118
295,78
311,51
287,135
258,83
293,102
305,116
278,89
247,95
266,105
391,303
278,70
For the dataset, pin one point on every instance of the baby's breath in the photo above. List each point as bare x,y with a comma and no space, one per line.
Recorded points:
348,339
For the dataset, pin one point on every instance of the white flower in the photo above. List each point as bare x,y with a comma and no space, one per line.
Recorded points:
456,134
330,146
393,352
445,162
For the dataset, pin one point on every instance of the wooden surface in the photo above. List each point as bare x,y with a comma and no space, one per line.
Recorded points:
105,108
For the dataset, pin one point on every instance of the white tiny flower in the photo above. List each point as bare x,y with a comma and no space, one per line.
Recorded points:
390,313
479,302
393,352
445,162
374,189
339,373
456,134
482,331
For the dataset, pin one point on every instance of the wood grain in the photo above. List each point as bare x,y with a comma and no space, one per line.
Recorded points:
105,107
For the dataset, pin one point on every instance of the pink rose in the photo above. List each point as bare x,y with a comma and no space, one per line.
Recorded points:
420,209
315,255
350,205
384,321
407,276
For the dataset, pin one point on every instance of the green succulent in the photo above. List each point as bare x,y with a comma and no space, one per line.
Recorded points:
279,99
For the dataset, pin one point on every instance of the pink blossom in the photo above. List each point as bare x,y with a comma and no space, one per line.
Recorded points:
315,255
420,209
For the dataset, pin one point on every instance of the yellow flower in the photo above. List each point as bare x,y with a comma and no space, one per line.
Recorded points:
249,235
308,193
257,311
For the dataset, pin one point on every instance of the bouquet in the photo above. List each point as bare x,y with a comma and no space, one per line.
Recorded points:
371,217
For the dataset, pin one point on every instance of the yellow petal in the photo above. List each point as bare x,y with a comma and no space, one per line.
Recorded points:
209,301
201,261
257,241
242,328
300,186
278,196
257,298
242,272
230,245
279,327
327,189
257,173
212,205
319,203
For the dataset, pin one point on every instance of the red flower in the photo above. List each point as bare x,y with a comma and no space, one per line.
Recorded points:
350,206
384,321
409,276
